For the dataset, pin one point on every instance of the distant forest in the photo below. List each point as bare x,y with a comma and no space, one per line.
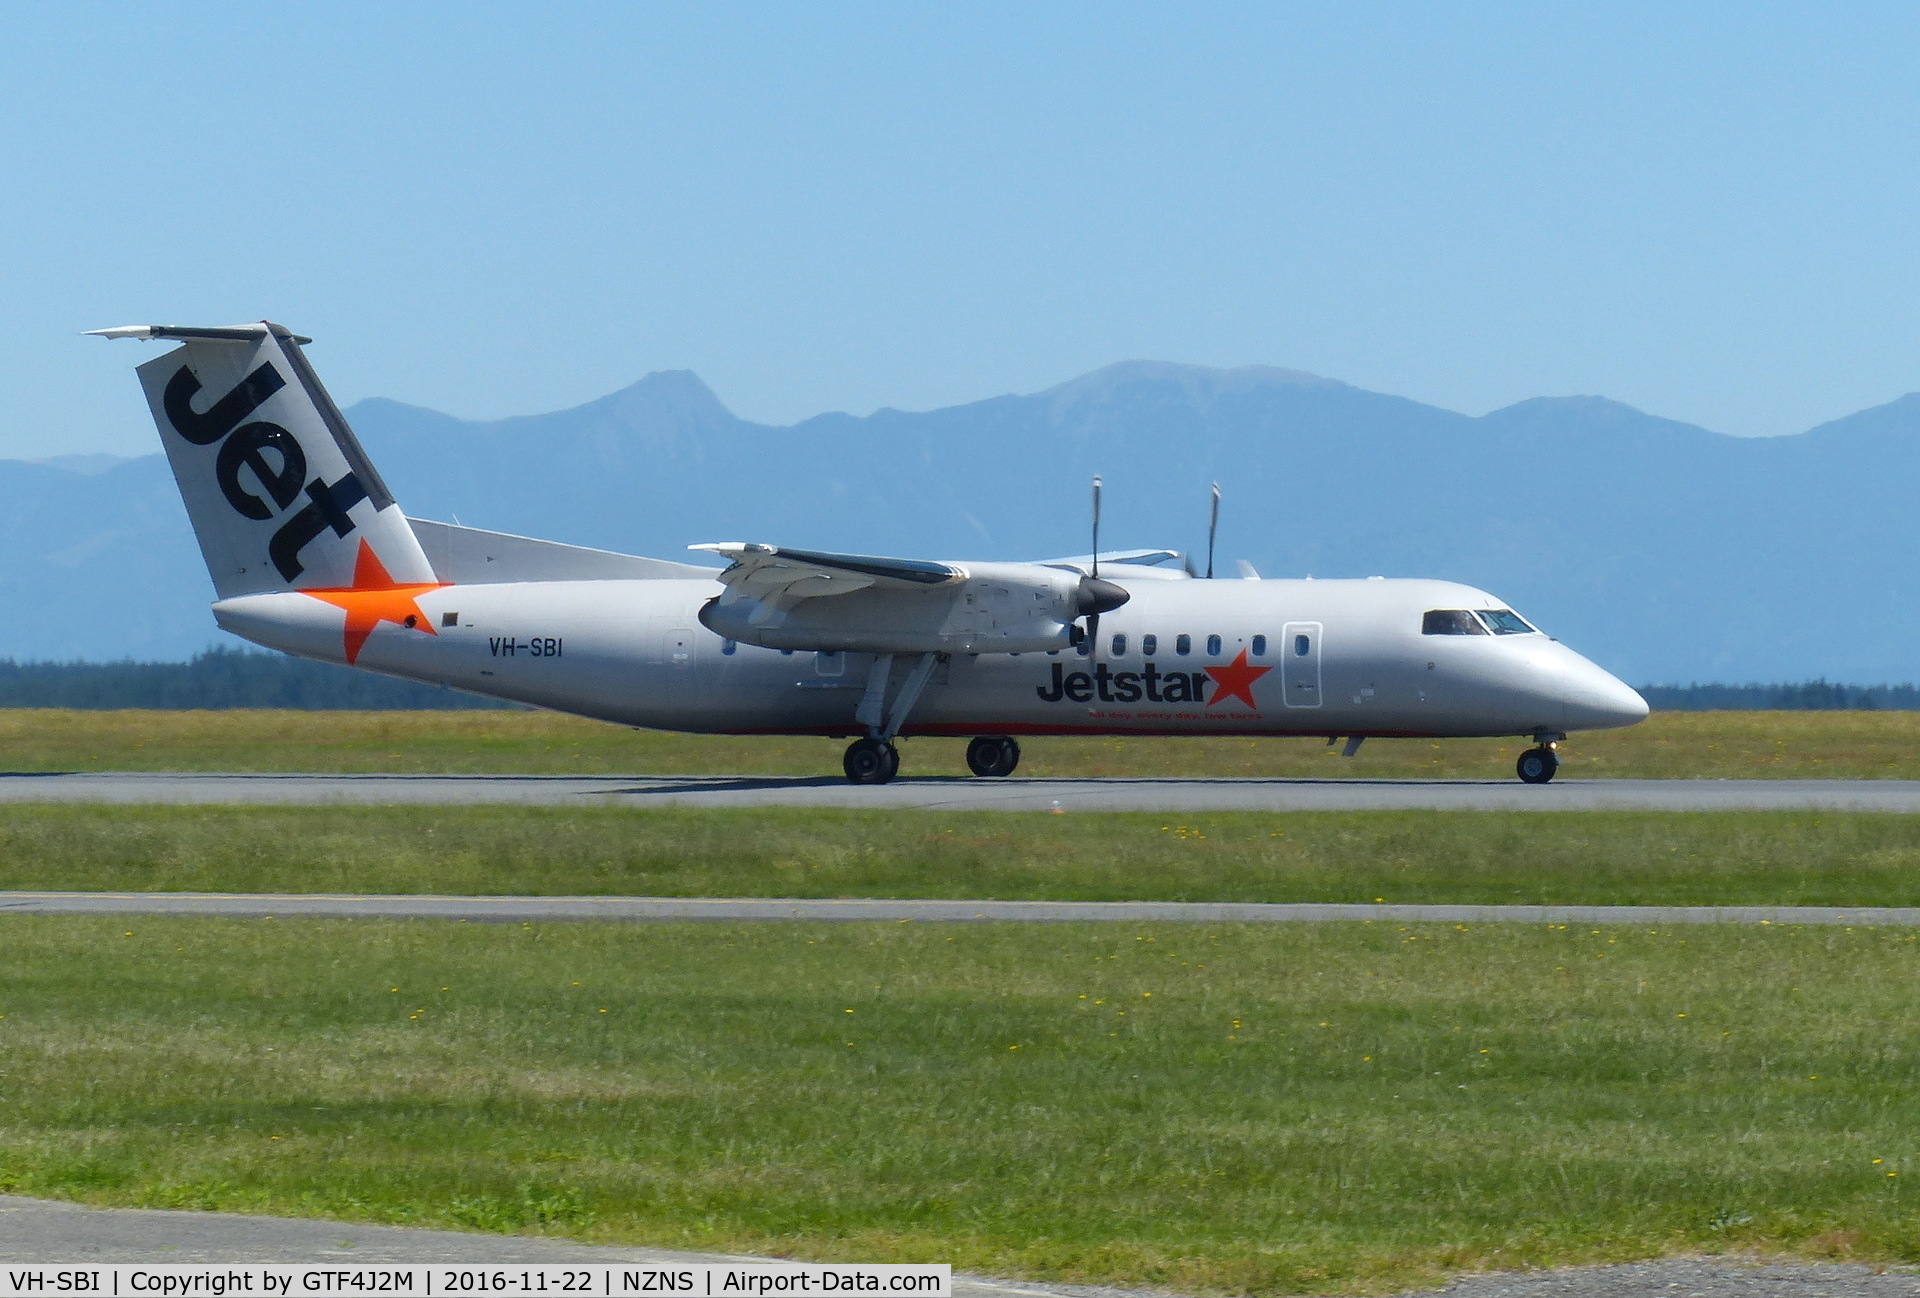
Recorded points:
220,678
249,678
1808,696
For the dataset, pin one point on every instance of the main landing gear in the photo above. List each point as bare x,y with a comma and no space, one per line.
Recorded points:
1538,764
993,755
871,761
874,759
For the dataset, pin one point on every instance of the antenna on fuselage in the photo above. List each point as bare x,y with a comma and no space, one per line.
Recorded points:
1213,528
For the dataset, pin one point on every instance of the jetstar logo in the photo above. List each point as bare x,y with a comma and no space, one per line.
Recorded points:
271,456
375,597
1234,681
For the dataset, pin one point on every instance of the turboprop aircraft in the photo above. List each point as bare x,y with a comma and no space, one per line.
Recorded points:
310,554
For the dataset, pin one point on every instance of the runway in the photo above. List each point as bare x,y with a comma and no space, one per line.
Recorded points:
42,1231
1065,795
507,910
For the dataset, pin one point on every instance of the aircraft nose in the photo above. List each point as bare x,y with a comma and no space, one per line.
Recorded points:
1598,700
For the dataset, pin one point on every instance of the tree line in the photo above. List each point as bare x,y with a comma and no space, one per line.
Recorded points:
220,678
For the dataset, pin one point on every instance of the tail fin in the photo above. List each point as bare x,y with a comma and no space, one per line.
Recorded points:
280,493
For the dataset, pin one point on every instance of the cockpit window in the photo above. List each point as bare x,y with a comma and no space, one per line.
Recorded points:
1450,621
1504,621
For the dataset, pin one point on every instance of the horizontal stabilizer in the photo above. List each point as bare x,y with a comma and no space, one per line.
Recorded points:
223,333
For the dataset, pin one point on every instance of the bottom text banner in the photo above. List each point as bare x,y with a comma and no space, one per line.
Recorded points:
442,1280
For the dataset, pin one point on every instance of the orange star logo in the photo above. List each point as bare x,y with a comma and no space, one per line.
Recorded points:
374,598
1235,681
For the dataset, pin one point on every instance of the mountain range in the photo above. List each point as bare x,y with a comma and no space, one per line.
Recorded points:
1664,551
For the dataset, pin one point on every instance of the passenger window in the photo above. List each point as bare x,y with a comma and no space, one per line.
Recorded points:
1504,621
1259,646
1183,643
1149,645
1451,621
1302,646
727,647
1120,646
1213,646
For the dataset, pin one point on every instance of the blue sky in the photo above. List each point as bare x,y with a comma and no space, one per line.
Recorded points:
1708,211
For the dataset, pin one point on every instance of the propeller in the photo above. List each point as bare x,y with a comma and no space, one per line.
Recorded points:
1094,596
1213,528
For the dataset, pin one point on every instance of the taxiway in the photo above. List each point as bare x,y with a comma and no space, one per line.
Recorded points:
934,793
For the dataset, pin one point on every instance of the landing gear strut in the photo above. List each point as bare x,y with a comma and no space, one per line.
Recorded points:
993,755
1538,764
874,759
871,761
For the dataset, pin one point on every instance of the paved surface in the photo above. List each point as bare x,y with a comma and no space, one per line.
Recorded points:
36,1230
33,1230
517,909
971,794
1691,1278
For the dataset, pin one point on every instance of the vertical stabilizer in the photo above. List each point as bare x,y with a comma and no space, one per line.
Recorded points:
280,493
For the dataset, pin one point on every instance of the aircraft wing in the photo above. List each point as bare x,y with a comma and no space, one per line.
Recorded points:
1084,562
780,576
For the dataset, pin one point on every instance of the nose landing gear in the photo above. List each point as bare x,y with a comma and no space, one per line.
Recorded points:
993,755
1538,764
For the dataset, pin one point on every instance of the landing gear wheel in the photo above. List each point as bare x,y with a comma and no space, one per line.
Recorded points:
993,755
871,761
1537,765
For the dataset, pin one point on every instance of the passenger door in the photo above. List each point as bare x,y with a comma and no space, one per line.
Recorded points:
1300,664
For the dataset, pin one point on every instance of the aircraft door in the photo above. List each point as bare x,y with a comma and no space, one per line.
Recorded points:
1300,664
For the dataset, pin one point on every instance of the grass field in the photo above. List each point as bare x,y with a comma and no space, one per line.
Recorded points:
1312,1109
1734,745
1685,858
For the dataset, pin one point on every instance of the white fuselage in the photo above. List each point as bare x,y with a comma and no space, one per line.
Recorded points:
1339,658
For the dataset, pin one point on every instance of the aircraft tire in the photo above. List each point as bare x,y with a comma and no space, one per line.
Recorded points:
993,755
1537,765
870,761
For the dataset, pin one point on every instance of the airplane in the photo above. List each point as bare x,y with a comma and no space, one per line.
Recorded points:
310,554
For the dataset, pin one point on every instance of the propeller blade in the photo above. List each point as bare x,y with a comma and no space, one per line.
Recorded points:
1096,527
1213,528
